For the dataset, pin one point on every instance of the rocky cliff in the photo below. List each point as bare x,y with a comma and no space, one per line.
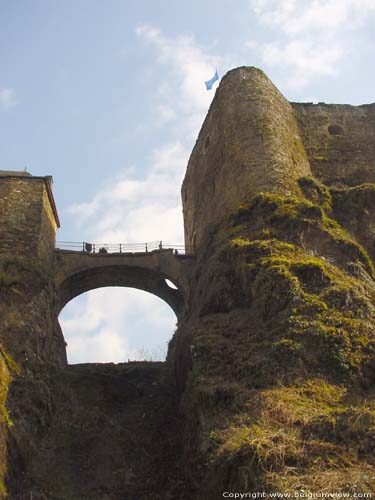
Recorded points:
276,354
269,381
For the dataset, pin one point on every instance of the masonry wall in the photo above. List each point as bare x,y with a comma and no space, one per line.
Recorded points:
339,140
253,140
20,215
31,342
27,242
48,227
27,222
249,143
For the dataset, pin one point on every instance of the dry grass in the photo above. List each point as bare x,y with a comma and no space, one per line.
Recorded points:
313,436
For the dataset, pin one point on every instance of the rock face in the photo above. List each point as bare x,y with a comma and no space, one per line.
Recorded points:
275,358
114,433
269,383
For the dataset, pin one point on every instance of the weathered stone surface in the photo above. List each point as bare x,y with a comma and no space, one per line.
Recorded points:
31,342
277,353
113,434
79,272
339,140
36,281
249,142
27,242
274,355
14,173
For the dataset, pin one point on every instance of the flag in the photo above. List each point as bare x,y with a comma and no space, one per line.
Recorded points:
210,83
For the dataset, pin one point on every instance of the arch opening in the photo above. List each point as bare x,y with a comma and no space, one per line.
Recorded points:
147,280
116,324
171,284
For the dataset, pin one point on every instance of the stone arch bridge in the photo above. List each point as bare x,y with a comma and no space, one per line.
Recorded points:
81,271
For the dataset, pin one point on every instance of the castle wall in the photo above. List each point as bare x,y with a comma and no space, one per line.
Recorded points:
29,333
339,140
249,143
27,242
20,215
27,220
48,227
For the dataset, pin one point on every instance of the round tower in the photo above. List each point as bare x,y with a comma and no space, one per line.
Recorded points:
249,143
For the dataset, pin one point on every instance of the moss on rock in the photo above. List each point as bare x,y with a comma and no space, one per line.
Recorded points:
8,367
282,378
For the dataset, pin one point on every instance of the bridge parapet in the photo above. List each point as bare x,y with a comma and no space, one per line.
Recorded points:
130,248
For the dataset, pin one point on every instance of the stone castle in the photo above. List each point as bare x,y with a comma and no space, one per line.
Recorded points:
269,383
253,140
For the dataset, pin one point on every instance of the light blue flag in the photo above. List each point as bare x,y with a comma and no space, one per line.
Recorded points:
210,83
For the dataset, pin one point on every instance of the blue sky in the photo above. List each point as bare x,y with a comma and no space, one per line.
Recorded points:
108,97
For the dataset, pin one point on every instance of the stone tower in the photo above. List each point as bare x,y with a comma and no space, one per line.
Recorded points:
31,342
28,215
249,142
28,223
253,140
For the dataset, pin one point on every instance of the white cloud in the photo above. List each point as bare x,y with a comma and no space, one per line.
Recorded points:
84,210
142,205
188,66
136,210
252,44
302,16
104,346
165,113
7,98
313,36
104,326
307,59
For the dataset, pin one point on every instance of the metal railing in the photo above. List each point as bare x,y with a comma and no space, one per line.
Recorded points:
121,248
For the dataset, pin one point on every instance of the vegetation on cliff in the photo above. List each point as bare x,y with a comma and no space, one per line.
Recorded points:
283,357
8,367
23,281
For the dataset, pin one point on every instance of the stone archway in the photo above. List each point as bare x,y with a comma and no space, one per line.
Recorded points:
78,273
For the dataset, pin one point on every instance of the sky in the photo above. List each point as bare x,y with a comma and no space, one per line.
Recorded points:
108,98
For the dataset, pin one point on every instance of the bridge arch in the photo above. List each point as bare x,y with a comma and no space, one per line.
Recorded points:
78,273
